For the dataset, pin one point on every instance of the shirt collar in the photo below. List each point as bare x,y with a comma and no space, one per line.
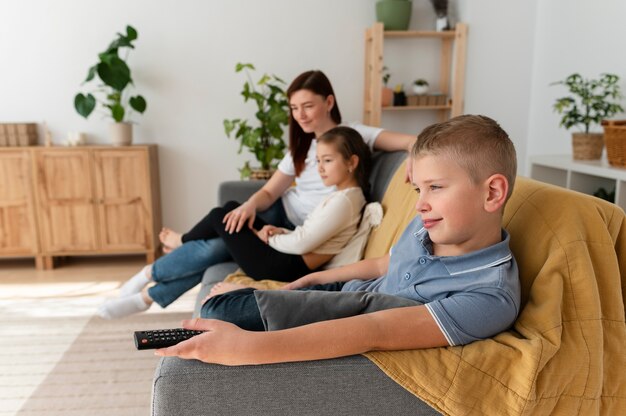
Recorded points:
487,257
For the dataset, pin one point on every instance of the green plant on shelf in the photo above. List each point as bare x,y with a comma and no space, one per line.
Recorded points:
604,194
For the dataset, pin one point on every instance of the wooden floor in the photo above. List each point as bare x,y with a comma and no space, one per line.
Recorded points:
71,269
44,378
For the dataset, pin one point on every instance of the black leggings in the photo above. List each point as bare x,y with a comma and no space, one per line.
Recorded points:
257,259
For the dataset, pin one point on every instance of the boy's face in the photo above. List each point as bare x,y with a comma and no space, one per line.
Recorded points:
451,206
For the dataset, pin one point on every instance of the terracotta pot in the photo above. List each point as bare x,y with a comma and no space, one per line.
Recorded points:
587,146
386,97
121,134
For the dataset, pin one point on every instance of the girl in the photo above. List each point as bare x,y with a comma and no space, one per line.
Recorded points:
266,251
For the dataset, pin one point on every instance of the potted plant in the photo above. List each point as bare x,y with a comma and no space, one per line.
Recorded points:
590,101
420,86
386,97
114,74
266,139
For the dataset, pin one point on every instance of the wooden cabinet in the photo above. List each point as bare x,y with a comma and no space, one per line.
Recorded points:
95,200
18,229
451,71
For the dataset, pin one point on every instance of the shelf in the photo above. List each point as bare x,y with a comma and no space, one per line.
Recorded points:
450,80
446,34
416,107
584,176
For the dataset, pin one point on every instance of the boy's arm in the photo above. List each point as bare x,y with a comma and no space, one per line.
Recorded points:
363,270
392,329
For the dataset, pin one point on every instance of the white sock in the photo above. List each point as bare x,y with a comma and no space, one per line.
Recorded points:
135,284
121,307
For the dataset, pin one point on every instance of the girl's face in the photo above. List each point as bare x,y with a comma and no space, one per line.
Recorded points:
312,111
333,168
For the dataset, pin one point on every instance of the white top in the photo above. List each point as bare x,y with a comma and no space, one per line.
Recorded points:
328,228
301,199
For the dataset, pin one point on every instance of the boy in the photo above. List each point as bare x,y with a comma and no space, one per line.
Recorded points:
453,261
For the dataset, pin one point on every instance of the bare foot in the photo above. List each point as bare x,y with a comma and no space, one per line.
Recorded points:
223,287
170,239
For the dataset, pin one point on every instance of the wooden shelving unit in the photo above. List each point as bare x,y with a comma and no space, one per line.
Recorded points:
451,71
84,200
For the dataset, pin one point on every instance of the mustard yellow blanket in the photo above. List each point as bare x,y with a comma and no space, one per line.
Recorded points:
566,353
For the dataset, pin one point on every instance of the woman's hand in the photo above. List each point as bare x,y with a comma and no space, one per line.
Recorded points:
267,231
222,343
236,218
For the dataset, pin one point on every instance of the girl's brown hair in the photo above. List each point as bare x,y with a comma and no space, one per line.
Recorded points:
299,141
349,142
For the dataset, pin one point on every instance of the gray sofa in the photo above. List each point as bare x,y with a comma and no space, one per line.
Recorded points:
344,386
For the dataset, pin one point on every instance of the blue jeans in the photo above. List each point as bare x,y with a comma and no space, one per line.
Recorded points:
240,308
182,269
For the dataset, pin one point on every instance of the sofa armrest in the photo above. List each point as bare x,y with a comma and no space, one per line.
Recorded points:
238,191
343,386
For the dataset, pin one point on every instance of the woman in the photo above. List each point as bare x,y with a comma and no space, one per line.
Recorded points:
271,252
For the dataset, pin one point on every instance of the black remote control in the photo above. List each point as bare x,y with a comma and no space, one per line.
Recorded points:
161,338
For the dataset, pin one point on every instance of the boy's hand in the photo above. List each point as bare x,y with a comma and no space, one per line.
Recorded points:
220,344
304,281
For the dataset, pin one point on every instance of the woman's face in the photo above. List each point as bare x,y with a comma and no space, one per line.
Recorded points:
312,111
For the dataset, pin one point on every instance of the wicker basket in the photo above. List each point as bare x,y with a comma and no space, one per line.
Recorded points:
587,146
615,139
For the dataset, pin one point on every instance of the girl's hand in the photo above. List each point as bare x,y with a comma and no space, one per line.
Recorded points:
236,218
220,344
267,231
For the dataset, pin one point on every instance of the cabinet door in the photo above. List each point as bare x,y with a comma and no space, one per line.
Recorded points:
17,220
122,192
66,205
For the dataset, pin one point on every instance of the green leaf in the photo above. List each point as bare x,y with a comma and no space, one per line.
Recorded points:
117,111
116,74
91,73
131,33
84,104
239,67
138,103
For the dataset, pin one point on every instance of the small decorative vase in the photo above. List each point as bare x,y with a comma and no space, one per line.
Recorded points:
420,89
386,98
399,99
587,146
394,14
121,134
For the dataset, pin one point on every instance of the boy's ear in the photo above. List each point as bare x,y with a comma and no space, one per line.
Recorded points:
498,188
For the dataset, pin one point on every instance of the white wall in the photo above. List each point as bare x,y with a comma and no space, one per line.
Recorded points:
187,49
581,36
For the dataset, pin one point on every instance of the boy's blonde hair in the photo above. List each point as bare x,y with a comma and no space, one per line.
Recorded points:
477,143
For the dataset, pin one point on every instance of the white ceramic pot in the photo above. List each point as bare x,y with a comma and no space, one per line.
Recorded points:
121,134
420,89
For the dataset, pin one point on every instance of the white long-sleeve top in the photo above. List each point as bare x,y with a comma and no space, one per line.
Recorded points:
328,228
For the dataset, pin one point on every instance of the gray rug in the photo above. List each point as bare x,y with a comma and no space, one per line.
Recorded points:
101,373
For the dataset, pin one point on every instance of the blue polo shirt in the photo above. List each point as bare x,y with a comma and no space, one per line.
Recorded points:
471,297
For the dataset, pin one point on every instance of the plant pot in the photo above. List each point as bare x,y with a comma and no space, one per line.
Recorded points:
587,146
386,97
394,14
261,174
121,134
420,89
